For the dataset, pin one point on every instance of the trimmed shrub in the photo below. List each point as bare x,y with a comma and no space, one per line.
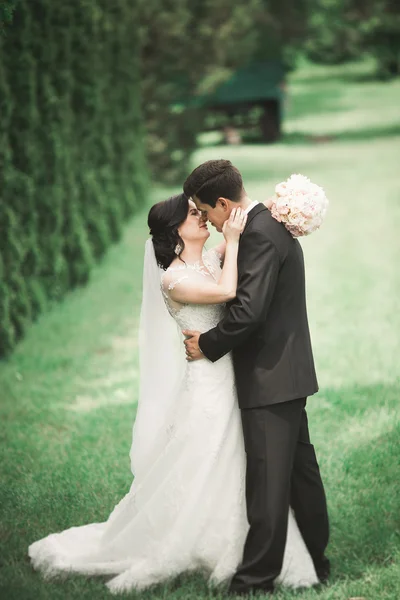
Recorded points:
72,161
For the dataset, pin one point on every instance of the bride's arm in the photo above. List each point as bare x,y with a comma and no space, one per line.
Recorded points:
268,202
201,291
220,249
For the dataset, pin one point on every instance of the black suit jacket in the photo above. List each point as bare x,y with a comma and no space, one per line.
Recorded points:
266,325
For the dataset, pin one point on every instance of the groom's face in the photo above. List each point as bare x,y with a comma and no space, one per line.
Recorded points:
218,215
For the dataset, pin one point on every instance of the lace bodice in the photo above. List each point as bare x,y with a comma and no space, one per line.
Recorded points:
200,317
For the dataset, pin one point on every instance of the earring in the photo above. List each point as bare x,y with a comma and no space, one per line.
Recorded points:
178,249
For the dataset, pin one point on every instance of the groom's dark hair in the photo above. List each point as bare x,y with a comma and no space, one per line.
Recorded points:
214,179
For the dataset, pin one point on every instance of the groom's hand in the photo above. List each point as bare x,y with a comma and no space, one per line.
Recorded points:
193,351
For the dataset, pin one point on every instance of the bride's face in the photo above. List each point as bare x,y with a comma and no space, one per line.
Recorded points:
194,229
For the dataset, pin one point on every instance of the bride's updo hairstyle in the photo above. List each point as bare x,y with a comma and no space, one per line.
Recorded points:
163,221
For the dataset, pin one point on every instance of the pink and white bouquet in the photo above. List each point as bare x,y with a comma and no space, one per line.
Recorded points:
300,205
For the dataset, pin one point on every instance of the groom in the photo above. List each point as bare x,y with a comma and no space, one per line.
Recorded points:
266,329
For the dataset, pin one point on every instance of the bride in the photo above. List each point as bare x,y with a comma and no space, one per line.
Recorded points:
186,509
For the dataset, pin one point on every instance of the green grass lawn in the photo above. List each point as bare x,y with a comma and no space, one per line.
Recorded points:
68,393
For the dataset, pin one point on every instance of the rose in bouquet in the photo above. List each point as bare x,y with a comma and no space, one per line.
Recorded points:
299,204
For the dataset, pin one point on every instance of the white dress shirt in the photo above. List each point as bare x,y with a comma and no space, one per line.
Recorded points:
251,206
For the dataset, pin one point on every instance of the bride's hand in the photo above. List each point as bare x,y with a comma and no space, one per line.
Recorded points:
234,226
268,203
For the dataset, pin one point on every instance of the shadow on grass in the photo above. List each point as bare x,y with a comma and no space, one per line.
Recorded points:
343,136
358,74
303,138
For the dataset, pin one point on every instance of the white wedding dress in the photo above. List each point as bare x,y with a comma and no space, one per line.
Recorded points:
185,510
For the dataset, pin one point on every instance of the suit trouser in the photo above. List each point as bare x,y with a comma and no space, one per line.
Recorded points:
282,470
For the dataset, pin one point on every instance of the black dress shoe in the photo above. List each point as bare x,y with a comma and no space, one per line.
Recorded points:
323,570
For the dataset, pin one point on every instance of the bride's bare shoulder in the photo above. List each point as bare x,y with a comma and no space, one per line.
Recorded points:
175,274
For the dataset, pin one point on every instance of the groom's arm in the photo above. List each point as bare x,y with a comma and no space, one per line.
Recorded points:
256,286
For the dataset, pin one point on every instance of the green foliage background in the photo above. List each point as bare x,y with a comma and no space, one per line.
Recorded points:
183,45
189,47
71,157
343,30
82,80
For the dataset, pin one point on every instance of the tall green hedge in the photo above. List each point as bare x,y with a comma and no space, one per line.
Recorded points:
72,165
